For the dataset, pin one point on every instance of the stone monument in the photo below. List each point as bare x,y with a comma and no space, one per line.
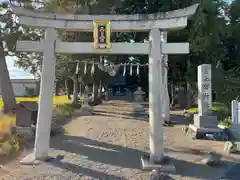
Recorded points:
204,122
235,128
139,110
155,48
86,109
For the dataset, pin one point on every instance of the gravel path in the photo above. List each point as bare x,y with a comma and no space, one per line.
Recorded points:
109,147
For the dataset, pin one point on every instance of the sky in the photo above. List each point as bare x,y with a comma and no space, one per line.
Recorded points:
16,73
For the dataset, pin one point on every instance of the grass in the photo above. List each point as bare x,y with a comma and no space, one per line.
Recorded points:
9,142
222,112
216,107
57,100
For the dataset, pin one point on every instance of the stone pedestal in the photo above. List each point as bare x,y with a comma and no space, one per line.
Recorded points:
86,109
206,121
159,169
205,125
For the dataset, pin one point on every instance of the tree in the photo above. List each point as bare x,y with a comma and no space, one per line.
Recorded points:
8,33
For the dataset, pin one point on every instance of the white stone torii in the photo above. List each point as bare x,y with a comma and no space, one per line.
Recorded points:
156,47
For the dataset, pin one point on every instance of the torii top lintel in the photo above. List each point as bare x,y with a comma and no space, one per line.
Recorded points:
136,22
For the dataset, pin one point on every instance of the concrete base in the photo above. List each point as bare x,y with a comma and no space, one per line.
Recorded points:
86,110
205,121
30,160
163,167
198,133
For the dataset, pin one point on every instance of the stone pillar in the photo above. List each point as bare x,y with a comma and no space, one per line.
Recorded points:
155,109
164,87
235,128
204,89
44,118
86,110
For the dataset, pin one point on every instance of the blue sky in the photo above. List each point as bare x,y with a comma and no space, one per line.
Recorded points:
16,73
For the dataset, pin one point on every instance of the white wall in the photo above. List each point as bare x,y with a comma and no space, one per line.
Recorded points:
19,86
19,89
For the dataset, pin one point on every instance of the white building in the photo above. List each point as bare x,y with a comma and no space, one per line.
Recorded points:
25,87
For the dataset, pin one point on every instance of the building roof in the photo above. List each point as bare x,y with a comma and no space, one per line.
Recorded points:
25,80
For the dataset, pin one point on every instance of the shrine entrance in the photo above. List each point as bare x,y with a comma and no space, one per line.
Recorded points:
157,48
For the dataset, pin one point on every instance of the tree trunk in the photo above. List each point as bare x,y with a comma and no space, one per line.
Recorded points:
81,86
172,94
188,85
67,91
100,89
75,94
57,87
5,84
93,92
80,89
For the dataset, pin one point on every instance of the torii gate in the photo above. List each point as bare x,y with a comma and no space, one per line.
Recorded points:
156,48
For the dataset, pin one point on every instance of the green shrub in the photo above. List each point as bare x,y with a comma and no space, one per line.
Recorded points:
62,110
8,145
219,109
226,122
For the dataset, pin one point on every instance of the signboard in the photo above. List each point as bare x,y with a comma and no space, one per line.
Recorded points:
101,34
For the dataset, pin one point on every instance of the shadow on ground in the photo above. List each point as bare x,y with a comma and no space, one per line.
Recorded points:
100,151
119,156
84,171
115,115
175,119
178,119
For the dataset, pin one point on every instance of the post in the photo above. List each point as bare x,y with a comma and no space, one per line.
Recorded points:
155,109
46,96
164,87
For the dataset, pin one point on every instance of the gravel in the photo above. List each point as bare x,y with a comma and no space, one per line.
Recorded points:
109,148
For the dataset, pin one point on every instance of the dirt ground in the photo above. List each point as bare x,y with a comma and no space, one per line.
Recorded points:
109,144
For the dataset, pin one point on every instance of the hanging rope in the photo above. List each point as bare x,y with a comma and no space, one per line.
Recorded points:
130,70
124,70
85,68
138,69
77,68
93,69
